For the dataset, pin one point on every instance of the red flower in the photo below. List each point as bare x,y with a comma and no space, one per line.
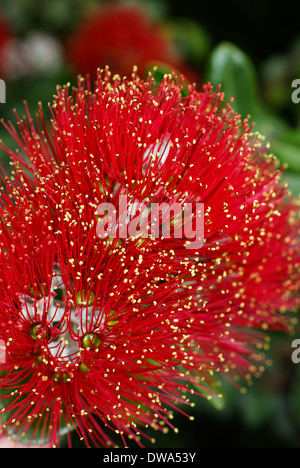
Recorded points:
120,36
111,333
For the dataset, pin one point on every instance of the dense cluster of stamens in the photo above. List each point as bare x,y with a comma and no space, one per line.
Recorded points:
108,335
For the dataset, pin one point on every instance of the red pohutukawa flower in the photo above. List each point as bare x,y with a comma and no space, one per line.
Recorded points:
111,334
120,36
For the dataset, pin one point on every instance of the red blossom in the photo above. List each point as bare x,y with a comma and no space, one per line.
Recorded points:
109,335
121,36
5,36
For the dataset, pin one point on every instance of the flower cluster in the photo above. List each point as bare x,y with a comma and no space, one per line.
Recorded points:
109,335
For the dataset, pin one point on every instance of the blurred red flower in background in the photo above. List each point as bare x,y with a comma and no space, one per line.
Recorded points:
121,36
112,334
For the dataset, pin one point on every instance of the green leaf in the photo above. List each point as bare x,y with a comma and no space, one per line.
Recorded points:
292,136
257,407
268,124
289,154
215,395
26,433
160,69
233,69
